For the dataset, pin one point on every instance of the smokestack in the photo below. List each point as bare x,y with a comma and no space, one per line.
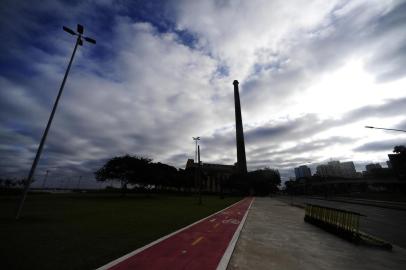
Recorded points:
241,161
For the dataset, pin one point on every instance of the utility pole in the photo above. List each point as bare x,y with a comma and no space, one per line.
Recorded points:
199,177
79,41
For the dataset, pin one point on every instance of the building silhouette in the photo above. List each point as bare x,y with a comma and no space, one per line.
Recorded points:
337,169
213,175
303,172
372,166
398,162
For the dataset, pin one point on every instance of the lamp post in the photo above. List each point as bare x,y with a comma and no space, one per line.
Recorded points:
196,139
391,129
199,177
79,41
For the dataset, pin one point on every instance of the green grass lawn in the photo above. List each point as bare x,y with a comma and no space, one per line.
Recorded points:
85,231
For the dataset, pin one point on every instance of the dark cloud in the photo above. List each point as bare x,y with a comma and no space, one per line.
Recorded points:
386,145
388,62
269,132
391,108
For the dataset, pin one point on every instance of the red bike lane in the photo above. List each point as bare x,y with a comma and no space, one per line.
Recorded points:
200,246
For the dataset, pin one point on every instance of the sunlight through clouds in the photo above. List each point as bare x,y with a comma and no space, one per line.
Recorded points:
311,77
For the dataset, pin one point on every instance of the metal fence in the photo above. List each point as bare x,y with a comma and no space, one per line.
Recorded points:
342,220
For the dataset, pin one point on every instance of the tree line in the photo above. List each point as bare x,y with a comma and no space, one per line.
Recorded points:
144,173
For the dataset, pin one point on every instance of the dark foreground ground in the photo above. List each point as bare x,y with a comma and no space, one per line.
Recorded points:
85,231
388,224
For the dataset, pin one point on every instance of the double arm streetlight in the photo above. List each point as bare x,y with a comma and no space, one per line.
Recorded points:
79,42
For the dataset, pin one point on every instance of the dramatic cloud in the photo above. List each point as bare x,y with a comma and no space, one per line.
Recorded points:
386,146
311,77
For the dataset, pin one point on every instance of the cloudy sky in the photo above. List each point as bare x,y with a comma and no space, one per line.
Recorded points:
312,74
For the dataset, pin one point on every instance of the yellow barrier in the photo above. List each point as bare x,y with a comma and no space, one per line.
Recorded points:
343,219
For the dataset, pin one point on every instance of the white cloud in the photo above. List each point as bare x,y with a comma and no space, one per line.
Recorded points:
303,69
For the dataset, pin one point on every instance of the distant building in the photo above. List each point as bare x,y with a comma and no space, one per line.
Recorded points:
348,169
334,168
372,166
337,169
322,170
302,172
213,174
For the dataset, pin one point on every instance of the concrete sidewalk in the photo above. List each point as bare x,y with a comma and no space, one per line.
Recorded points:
276,237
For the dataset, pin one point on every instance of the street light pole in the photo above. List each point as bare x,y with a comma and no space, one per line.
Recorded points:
196,139
79,41
392,129
199,176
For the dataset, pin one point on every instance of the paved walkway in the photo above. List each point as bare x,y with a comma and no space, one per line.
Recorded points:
199,246
276,237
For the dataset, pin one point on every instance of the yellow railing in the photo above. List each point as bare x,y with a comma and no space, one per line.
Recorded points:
342,219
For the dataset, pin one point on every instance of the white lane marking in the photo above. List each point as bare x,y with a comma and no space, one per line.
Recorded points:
232,221
229,251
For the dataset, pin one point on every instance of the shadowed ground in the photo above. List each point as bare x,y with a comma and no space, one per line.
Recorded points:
385,223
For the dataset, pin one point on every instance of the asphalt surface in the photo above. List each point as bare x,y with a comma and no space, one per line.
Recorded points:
276,237
199,247
385,223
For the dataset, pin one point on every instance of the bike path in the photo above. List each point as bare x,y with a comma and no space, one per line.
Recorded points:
199,246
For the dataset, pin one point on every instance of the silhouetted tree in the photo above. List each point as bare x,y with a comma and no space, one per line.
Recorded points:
126,169
264,181
238,183
400,149
185,179
8,183
398,161
162,175
261,182
290,187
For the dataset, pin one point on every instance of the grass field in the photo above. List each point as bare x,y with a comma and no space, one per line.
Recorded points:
85,231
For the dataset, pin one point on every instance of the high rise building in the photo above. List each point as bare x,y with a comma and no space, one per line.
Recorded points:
302,172
348,169
337,169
